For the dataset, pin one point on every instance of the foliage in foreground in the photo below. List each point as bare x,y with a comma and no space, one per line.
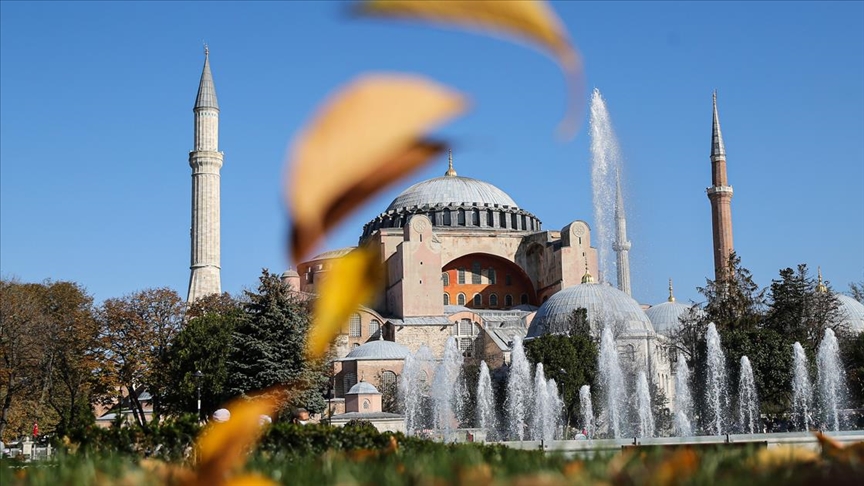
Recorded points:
318,454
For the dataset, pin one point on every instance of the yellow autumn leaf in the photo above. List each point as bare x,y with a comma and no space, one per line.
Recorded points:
352,281
222,446
534,21
366,136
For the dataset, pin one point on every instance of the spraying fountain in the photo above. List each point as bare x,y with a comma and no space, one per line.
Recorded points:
414,389
519,388
830,381
802,391
486,416
683,400
611,381
587,410
643,401
716,396
448,396
748,405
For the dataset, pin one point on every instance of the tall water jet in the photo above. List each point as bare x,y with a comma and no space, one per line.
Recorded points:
612,383
414,389
486,418
587,410
605,162
518,391
554,410
643,400
830,381
717,397
540,417
448,390
748,404
802,390
683,400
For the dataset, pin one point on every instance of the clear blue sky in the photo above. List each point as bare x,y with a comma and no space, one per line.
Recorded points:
96,125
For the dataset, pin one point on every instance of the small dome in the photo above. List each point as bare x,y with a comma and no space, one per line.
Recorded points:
851,313
378,350
363,387
451,189
333,253
666,317
290,273
603,303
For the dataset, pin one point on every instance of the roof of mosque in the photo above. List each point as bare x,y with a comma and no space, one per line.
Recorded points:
451,189
379,349
333,253
851,313
363,387
604,303
665,317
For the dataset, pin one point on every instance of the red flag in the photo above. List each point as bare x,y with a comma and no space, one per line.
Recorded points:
35,429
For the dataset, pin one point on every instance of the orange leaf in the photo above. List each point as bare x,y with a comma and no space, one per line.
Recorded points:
366,136
222,446
353,280
534,21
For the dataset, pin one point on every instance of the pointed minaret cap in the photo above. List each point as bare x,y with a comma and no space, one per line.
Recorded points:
450,172
587,278
820,285
717,148
206,90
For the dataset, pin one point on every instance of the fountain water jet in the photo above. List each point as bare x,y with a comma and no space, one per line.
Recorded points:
683,400
802,390
717,397
554,410
518,391
643,399
486,417
447,391
830,381
414,389
587,410
541,418
605,163
612,382
748,404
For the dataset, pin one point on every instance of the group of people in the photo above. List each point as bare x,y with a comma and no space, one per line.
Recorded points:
299,416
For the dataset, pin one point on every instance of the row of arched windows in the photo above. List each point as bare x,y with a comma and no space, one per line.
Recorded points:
477,300
355,327
477,276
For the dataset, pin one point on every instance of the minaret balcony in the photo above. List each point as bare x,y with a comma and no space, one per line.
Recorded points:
719,190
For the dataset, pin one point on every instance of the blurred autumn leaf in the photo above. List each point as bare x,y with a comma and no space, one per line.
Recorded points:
352,281
534,21
365,137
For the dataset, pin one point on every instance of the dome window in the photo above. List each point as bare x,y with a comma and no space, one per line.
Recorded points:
460,217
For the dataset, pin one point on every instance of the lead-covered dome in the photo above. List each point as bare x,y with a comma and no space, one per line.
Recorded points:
451,189
605,304
851,313
378,350
666,317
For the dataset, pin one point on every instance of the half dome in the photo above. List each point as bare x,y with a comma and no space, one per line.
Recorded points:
604,303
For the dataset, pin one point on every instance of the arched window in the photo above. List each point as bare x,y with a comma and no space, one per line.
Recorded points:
490,218
503,219
460,276
374,327
354,325
478,300
514,223
524,223
460,299
446,298
508,300
475,217
493,300
523,299
388,378
445,278
447,220
460,217
475,273
492,277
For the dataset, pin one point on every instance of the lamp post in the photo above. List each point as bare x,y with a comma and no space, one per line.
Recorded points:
198,375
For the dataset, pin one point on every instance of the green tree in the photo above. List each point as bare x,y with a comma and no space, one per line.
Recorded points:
734,300
852,351
570,359
268,347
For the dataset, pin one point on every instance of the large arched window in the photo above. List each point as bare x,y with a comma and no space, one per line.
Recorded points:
445,279
460,299
493,300
374,327
446,298
475,273
478,300
493,278
388,379
460,276
354,328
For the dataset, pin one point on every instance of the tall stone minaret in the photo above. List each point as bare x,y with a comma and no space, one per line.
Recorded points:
621,245
205,160
720,194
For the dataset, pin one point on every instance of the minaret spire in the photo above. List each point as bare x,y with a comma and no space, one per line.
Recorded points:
720,195
206,161
450,172
820,285
621,244
671,295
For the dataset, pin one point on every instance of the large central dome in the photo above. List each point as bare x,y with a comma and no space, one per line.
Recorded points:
451,189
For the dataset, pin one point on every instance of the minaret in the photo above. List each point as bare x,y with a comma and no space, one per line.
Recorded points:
205,160
720,194
621,245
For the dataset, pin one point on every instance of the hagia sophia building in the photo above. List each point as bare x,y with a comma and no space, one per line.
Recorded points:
464,260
